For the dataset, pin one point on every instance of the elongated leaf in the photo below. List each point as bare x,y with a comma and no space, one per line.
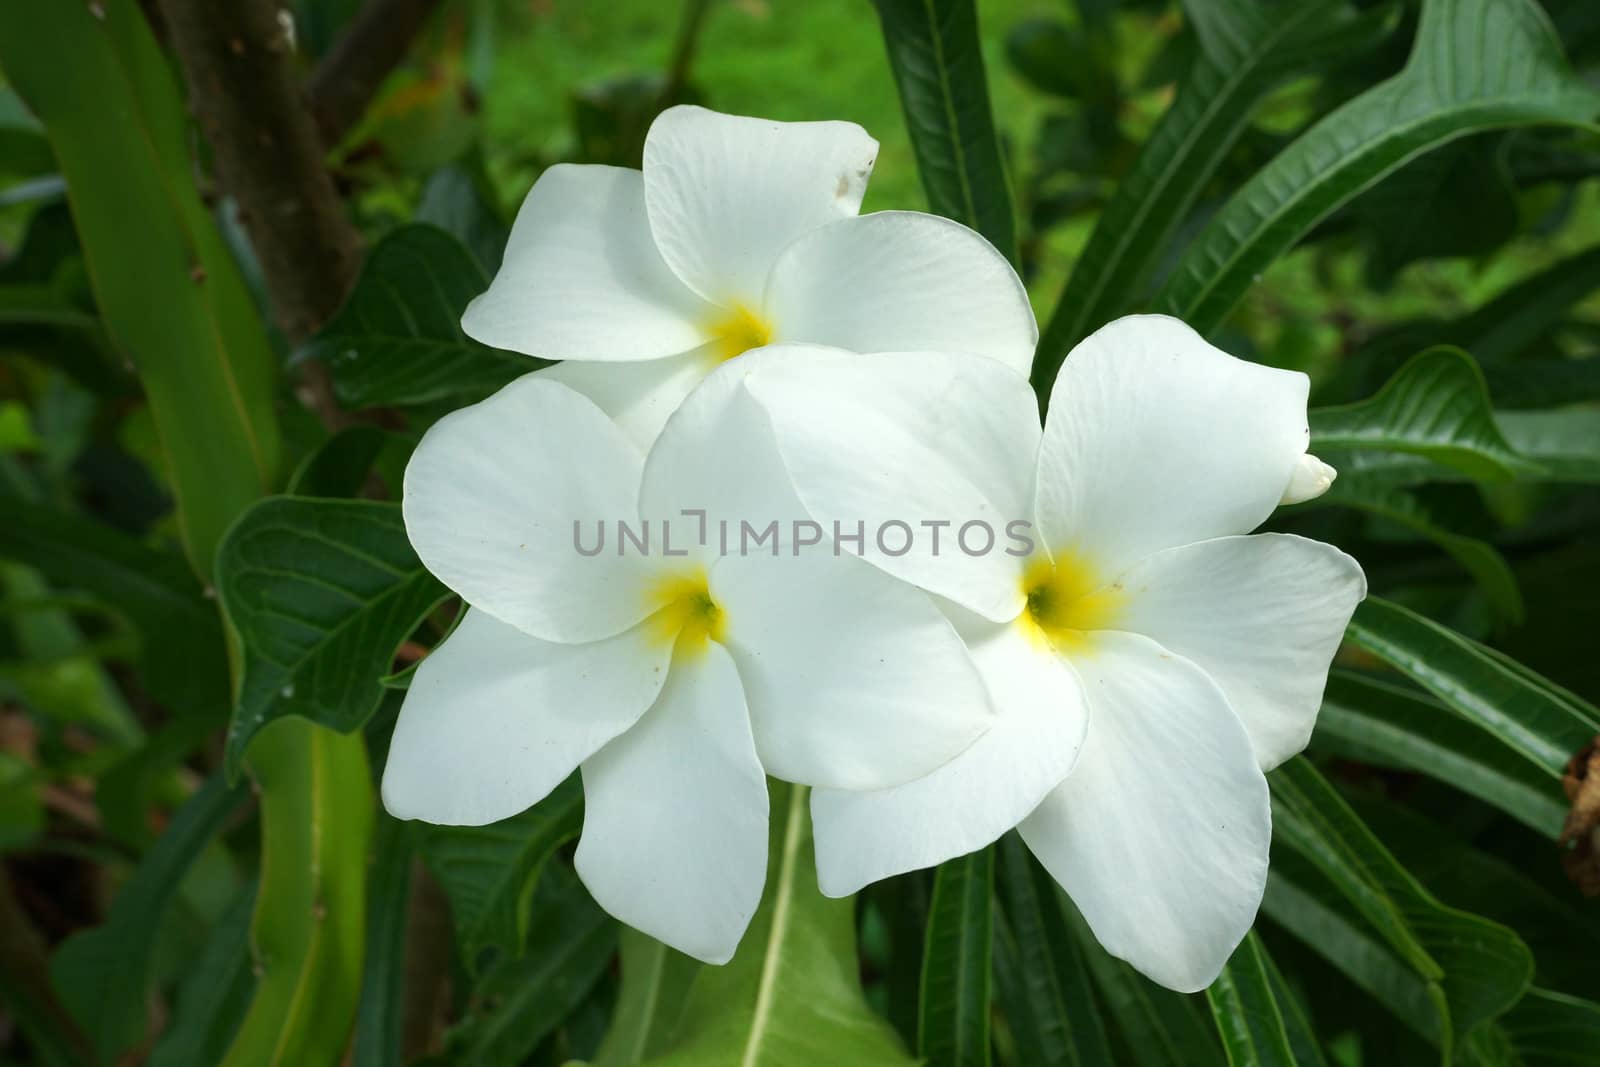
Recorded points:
523,1000
1260,1022
1384,725
398,338
103,974
1449,88
953,1025
792,993
181,654
168,291
1552,1029
214,996
1443,972
321,592
1538,721
380,1020
1248,47
310,920
489,872
1566,444
1436,406
1043,985
937,58
1510,323
655,983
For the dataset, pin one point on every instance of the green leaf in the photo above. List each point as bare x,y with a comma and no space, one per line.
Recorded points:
309,925
214,995
655,983
1478,558
953,1025
792,993
1565,443
1540,722
489,872
1383,725
380,1019
1437,407
1261,1023
1039,969
1551,1029
1249,47
1441,971
523,1000
166,285
398,338
341,465
181,655
103,974
321,593
1447,90
1512,322
937,58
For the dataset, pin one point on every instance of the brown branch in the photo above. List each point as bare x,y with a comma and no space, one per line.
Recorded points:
348,77
238,60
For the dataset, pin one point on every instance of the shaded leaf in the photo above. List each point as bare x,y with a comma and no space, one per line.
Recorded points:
953,1025
214,996
1260,1022
380,1022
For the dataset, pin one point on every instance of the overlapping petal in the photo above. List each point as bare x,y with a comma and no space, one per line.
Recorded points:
854,679
1160,833
491,496
890,442
899,281
1156,439
639,397
582,279
1040,719
675,814
1262,615
495,719
727,193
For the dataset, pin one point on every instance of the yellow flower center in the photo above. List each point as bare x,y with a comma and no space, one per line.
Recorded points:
684,612
738,331
1067,601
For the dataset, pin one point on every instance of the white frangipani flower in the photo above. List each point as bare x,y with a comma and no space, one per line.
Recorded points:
673,679
1147,662
739,232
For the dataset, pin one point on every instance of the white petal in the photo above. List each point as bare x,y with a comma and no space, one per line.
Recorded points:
495,719
727,193
1160,833
639,397
976,797
1157,439
1311,478
675,814
895,281
854,679
491,496
582,279
1262,615
887,443
717,455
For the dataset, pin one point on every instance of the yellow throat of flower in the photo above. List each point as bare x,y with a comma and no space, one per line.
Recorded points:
684,612
1067,601
738,331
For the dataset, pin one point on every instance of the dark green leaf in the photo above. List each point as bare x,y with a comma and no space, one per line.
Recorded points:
103,974
1447,90
1366,719
380,1019
1441,971
1249,47
489,872
937,58
398,338
953,1027
1256,1014
1043,986
214,996
1551,1029
321,593
1540,722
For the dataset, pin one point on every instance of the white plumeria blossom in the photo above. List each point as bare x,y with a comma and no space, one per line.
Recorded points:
738,233
675,680
1147,663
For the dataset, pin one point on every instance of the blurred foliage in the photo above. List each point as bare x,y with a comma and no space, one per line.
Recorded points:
199,578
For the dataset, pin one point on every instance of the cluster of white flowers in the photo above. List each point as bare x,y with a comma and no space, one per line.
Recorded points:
740,344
